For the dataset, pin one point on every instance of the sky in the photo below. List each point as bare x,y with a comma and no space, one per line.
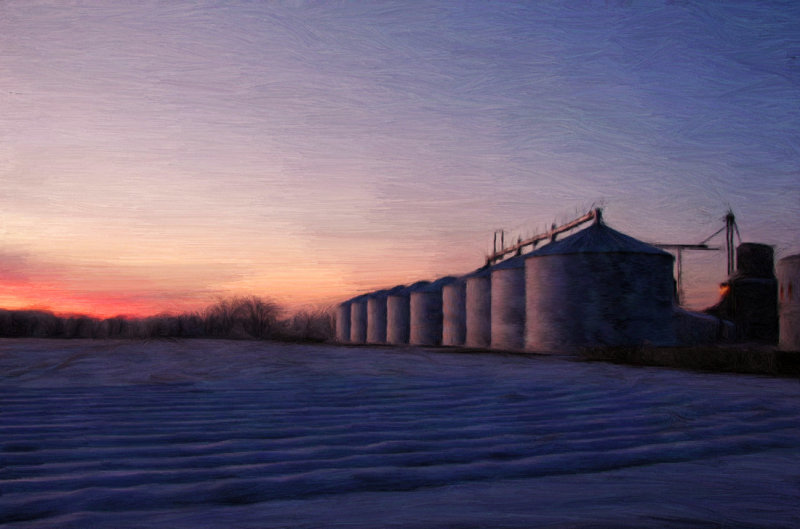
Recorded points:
159,155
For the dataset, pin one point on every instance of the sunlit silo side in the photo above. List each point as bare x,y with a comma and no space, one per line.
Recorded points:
376,314
358,319
598,287
398,314
479,308
426,313
454,313
376,317
788,272
508,304
343,322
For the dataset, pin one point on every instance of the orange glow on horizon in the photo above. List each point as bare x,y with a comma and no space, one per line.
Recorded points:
52,296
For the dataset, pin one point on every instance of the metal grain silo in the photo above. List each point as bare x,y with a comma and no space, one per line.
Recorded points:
598,287
508,304
343,322
398,314
376,314
454,313
426,313
479,308
750,298
358,319
789,302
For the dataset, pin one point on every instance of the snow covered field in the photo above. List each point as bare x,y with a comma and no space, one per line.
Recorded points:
242,434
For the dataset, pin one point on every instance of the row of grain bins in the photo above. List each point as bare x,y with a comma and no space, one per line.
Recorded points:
594,287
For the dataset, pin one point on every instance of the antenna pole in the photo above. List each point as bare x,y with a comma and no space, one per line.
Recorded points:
730,226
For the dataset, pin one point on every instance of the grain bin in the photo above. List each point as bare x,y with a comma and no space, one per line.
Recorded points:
598,287
755,260
343,322
398,314
376,314
789,302
754,293
358,319
454,313
751,295
425,304
479,308
508,304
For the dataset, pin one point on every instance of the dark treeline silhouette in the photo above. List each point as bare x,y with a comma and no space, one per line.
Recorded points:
241,318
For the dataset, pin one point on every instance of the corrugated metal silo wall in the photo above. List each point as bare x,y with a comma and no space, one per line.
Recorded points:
397,319
376,318
479,311
576,300
343,323
508,308
454,313
426,317
358,320
788,272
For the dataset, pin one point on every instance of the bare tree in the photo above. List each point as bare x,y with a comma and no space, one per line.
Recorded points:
257,316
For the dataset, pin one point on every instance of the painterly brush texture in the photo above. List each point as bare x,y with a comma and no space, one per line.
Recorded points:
241,434
156,155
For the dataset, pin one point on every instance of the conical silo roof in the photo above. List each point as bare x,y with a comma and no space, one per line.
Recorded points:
484,271
514,262
437,285
598,238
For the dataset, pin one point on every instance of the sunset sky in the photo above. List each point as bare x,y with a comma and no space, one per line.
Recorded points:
158,155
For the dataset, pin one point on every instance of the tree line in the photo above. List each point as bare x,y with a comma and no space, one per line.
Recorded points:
242,318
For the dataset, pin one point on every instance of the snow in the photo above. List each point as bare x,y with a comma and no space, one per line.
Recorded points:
252,434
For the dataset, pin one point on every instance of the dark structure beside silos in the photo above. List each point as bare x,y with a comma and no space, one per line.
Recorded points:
343,322
426,313
358,319
696,328
750,295
598,287
478,308
789,302
398,314
454,313
508,305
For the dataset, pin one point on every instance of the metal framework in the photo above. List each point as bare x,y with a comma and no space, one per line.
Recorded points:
596,214
730,228
498,255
